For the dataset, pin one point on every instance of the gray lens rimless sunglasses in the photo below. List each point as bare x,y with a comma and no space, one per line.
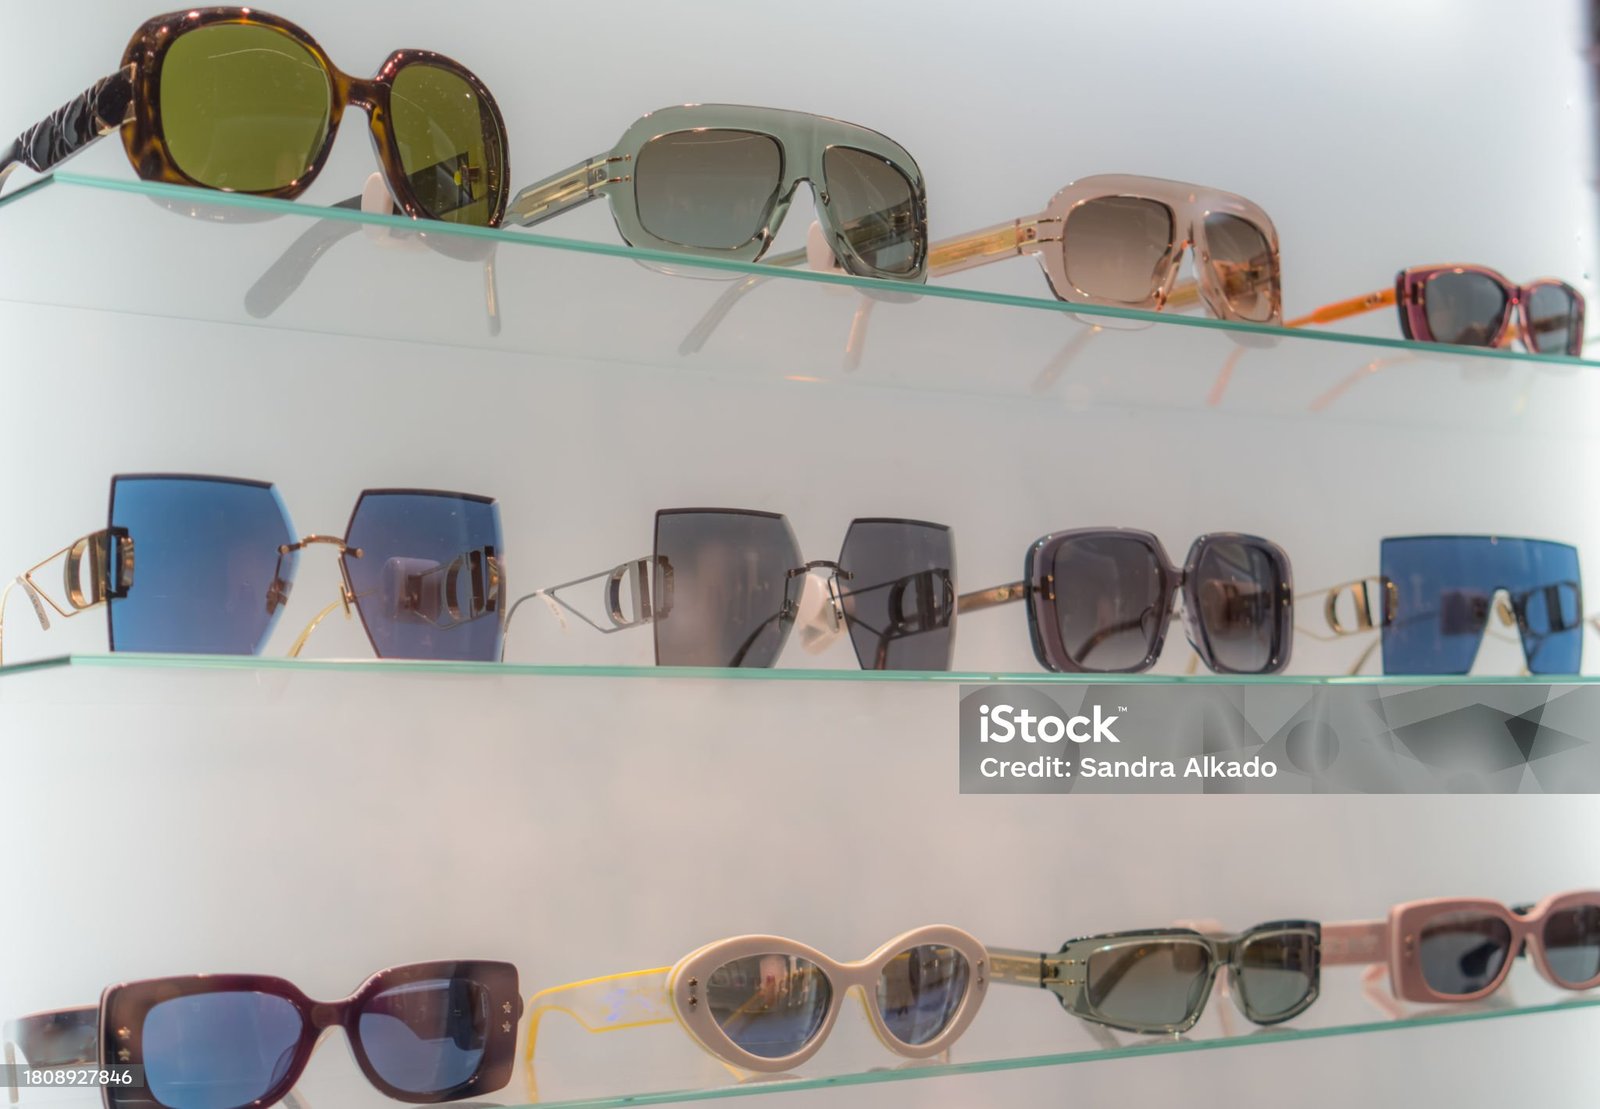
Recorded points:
717,180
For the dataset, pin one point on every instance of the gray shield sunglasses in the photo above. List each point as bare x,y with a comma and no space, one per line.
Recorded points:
716,180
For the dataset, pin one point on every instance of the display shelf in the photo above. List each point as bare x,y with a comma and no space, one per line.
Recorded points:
400,669
1166,1046
91,242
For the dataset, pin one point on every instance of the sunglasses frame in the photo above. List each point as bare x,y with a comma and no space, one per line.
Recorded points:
1044,630
130,101
660,589
686,977
1411,298
803,141
1066,975
1394,942
1044,234
101,567
1391,602
123,1009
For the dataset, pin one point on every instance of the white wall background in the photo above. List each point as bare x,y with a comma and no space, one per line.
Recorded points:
1377,136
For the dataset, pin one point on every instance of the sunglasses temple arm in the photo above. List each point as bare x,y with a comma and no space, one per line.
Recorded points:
285,275
636,572
56,1038
1003,240
992,597
1344,309
1013,966
33,596
614,1003
696,339
573,186
820,257
99,110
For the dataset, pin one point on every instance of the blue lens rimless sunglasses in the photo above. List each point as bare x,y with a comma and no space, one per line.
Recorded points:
1434,597
193,564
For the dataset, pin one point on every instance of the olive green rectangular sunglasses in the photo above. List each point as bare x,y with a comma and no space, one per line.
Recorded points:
242,101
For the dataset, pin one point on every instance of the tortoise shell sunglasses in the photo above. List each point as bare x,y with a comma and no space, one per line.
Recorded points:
241,101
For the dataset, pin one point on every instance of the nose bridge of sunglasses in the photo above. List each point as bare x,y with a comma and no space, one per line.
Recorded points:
278,592
819,614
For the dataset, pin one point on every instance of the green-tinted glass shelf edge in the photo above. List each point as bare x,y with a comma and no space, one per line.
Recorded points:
1034,1062
518,238
712,673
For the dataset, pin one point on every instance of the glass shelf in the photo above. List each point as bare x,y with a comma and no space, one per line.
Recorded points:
1167,1046
177,664
90,242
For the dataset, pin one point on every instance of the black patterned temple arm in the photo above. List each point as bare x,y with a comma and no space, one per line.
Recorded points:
103,108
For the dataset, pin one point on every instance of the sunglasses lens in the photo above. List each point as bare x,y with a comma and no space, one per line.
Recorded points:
1238,587
429,577
722,588
712,189
1465,308
1156,984
448,144
1109,601
770,1005
1118,248
1572,944
1463,952
899,596
1439,600
206,566
1553,320
243,108
921,990
427,1037
874,207
1242,264
1276,974
219,1050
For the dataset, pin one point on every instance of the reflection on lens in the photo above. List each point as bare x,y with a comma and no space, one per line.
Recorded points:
1276,974
874,207
243,108
899,596
1463,952
1238,585
1438,597
722,589
424,585
1118,248
205,566
427,1036
920,991
769,1005
1572,944
1553,320
1109,601
218,1050
1465,308
1241,262
448,144
712,188
1157,983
